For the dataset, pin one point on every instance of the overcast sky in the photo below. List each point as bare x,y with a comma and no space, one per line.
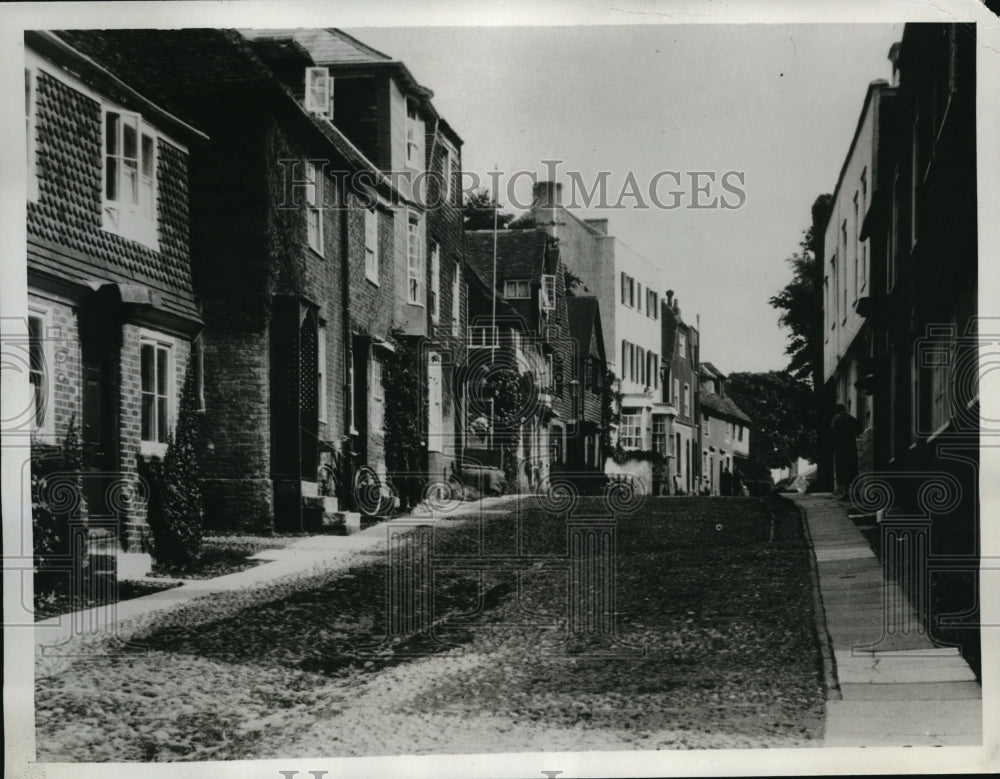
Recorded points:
778,103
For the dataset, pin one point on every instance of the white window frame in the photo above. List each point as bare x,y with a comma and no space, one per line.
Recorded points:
547,293
483,330
414,136
517,289
319,91
45,371
371,246
415,270
456,299
314,206
321,370
153,447
136,220
376,409
630,431
435,292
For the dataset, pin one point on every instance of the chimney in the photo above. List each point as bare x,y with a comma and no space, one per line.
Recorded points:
677,306
601,225
894,59
547,194
670,298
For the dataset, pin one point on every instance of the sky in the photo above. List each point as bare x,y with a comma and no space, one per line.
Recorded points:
776,103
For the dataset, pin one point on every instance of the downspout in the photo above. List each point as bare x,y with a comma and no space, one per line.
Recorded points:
345,306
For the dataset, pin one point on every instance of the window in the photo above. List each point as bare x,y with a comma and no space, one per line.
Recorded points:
129,177
682,344
652,304
435,415
729,431
624,287
843,253
156,382
739,432
414,264
377,394
321,370
483,337
456,299
435,296
631,292
638,298
517,290
319,91
835,309
556,433
677,392
371,245
686,407
826,304
547,294
39,372
625,359
314,206
414,136
448,166
630,432
660,434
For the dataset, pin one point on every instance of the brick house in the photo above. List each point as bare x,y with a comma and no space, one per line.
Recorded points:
286,249
676,434
725,431
390,119
113,317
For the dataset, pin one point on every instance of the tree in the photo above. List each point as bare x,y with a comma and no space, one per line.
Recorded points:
479,210
405,413
784,414
801,300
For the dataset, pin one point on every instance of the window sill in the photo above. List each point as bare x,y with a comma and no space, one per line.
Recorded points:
152,449
317,252
131,227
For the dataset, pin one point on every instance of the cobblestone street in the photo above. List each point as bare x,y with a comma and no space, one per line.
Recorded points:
713,645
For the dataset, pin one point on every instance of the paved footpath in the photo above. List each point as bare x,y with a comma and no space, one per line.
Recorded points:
310,553
894,687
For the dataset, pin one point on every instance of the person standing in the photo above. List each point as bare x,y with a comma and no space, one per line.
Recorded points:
846,430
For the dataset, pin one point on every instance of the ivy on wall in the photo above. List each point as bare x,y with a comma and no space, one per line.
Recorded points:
405,414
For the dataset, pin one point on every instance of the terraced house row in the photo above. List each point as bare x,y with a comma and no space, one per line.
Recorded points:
274,218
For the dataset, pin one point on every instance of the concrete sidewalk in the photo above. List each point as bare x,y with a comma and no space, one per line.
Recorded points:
303,556
894,686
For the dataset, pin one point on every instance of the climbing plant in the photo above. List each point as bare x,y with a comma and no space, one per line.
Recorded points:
405,418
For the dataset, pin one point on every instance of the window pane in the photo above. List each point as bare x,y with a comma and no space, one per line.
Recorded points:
147,416
161,371
111,133
129,139
147,155
147,369
111,179
130,182
161,420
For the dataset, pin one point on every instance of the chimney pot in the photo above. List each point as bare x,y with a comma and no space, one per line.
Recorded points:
670,298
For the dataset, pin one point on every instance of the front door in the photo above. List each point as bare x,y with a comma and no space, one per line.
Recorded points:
100,339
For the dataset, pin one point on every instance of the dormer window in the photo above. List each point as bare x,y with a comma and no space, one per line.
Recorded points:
319,92
129,177
414,136
547,295
516,290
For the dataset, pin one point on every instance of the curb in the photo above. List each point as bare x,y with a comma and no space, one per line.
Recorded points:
819,614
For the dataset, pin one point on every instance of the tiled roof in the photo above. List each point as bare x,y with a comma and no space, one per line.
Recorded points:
722,406
710,370
327,45
520,253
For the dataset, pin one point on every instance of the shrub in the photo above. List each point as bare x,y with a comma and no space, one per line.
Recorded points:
175,511
56,495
